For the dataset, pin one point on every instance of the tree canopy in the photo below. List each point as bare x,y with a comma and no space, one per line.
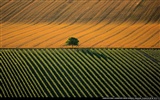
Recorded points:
72,41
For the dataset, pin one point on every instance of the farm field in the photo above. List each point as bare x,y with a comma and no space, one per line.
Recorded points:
96,23
118,54
80,73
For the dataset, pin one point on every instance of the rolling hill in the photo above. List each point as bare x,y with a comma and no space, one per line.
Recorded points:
96,23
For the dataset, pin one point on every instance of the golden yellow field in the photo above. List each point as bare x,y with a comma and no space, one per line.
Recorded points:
96,23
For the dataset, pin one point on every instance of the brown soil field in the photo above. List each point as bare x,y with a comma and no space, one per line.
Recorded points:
96,23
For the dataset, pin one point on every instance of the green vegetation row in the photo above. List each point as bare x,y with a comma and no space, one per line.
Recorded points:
79,73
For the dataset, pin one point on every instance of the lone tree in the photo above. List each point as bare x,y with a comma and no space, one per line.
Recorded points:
72,41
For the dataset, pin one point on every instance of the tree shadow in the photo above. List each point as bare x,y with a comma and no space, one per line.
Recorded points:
94,54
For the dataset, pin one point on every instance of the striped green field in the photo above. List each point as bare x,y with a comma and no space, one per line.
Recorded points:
80,73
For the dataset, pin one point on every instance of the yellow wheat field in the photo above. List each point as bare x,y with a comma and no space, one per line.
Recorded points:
96,23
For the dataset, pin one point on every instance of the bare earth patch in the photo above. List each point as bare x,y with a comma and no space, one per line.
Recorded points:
125,35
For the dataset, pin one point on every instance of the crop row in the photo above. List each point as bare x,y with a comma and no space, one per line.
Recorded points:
35,11
78,73
153,53
95,23
101,35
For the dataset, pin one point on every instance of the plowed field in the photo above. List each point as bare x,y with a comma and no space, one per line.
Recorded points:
96,23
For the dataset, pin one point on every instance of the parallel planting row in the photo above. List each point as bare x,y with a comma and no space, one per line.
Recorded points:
90,35
96,23
77,11
79,73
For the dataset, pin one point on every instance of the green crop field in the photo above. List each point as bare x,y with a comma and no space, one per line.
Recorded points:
80,73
